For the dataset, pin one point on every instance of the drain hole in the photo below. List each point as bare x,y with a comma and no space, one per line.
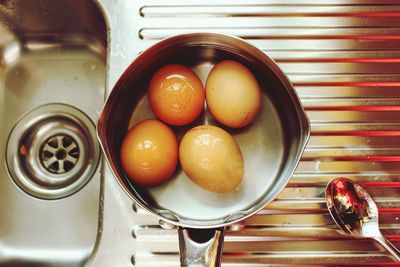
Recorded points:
52,151
59,154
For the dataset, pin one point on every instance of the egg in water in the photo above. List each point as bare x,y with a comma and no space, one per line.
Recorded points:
211,158
233,94
176,95
149,153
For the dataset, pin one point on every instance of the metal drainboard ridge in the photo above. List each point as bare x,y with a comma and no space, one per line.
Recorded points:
52,151
343,56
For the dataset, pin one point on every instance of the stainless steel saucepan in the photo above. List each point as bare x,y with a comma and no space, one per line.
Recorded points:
271,146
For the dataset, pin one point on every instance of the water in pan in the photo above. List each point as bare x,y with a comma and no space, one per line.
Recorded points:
262,147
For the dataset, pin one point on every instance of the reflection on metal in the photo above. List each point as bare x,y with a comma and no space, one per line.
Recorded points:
200,247
355,212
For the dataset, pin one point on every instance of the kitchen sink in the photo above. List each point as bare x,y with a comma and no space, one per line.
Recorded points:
59,60
52,86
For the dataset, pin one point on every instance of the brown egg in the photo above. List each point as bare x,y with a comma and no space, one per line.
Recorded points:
149,153
176,94
211,158
233,94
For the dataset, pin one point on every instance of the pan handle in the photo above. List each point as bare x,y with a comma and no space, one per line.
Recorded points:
201,247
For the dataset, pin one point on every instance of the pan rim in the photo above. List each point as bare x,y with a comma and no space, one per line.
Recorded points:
302,119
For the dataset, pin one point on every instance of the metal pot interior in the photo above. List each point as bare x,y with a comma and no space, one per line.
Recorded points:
271,145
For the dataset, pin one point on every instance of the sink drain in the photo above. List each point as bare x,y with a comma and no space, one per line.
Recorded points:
59,154
52,152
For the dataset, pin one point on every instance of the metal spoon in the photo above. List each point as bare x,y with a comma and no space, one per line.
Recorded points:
355,212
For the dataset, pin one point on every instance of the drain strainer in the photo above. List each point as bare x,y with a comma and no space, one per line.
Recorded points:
59,154
52,151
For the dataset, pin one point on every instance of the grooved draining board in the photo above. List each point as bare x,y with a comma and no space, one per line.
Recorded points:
343,57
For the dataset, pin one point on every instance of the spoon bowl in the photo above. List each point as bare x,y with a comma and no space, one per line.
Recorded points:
355,212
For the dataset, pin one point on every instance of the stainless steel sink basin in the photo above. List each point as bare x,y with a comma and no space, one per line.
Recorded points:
52,85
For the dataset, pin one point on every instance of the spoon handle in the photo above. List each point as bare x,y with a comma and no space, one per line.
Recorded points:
389,247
